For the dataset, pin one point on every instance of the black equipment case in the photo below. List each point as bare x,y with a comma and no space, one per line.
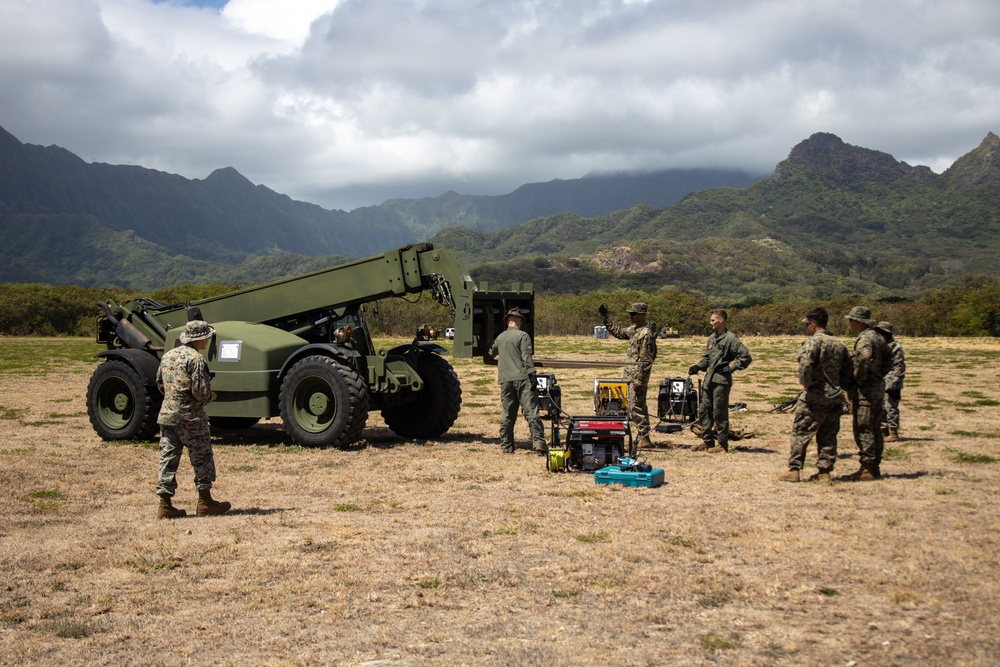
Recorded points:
676,404
549,394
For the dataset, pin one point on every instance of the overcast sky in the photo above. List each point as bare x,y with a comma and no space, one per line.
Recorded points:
348,102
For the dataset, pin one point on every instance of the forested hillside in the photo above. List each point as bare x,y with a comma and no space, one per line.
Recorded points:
586,197
69,222
832,219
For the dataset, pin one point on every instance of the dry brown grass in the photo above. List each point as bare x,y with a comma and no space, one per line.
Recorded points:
447,552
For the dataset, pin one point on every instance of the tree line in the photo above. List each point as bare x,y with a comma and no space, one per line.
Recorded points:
974,310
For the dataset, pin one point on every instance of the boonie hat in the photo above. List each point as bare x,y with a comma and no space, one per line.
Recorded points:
514,312
884,326
637,307
861,314
196,330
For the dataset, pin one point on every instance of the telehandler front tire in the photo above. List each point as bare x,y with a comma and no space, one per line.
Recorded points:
323,403
120,405
430,412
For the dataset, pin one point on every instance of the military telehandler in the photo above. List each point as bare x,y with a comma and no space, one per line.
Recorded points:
299,348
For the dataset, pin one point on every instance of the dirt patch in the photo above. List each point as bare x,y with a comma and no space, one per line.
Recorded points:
448,552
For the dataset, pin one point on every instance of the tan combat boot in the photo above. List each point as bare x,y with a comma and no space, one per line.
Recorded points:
209,507
643,441
701,447
716,450
893,435
166,510
790,476
822,475
862,475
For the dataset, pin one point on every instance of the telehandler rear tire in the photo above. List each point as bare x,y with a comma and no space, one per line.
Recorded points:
430,412
323,403
120,405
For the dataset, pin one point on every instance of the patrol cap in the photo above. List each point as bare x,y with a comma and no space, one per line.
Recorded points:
637,307
196,330
884,326
514,312
861,314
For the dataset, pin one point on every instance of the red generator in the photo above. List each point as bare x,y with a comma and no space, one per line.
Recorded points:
595,442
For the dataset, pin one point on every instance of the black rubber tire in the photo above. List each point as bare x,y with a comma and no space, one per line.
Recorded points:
120,405
323,403
233,423
430,412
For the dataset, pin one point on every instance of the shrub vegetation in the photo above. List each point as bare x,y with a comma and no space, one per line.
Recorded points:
66,310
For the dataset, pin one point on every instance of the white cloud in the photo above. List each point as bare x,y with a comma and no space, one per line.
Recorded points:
345,102
288,21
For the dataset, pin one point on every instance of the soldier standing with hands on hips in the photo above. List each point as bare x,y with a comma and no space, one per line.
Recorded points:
724,353
184,380
641,350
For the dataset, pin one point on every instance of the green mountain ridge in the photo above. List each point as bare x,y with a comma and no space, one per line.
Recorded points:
223,218
590,196
227,220
831,219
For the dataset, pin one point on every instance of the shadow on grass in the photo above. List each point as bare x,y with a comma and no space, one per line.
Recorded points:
906,475
274,435
743,449
261,434
383,438
753,450
257,511
885,476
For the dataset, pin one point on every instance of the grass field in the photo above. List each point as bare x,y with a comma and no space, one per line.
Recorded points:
450,553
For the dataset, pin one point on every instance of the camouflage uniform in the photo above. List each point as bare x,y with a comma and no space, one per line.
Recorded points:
642,349
184,380
825,368
871,362
722,349
894,382
515,371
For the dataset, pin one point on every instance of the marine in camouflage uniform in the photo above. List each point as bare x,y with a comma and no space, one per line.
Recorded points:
893,383
184,380
724,353
516,375
871,362
641,339
825,370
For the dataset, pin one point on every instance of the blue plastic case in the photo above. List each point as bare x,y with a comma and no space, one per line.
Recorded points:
615,475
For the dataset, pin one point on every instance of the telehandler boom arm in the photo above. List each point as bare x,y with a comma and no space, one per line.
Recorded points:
407,270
